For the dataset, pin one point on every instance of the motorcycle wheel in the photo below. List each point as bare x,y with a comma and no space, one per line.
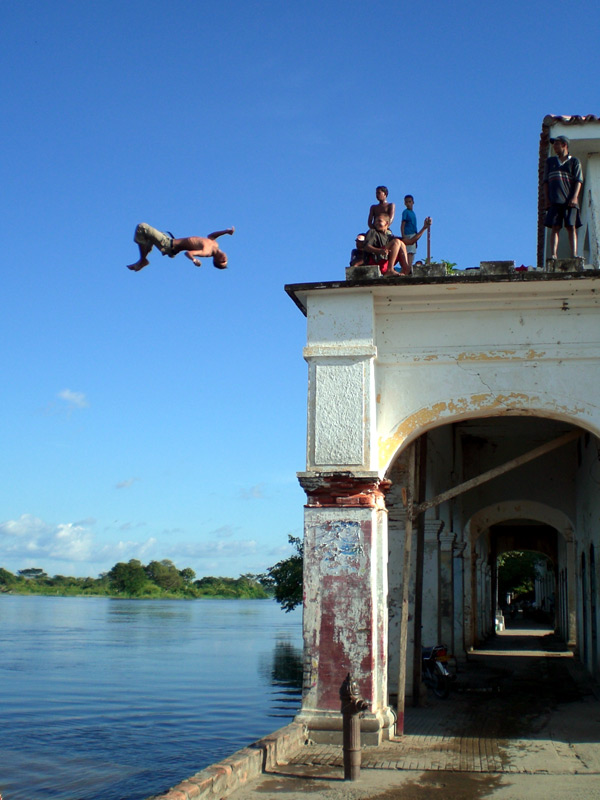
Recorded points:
441,686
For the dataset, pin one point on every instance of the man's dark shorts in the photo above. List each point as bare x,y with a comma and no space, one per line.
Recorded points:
561,214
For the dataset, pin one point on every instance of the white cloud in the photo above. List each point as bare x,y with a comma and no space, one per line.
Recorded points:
126,483
30,537
74,400
224,532
253,492
123,551
213,548
78,548
130,526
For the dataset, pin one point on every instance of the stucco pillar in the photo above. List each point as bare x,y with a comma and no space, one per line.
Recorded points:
430,608
446,599
345,602
571,595
490,603
480,598
590,210
470,596
460,615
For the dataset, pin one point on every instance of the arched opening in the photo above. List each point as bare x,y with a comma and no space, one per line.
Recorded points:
525,588
532,505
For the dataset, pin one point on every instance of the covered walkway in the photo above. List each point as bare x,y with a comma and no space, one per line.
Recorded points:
524,720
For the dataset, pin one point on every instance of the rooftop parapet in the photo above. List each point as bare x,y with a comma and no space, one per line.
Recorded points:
487,270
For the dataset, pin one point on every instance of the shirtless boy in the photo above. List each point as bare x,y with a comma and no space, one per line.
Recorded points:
146,237
382,207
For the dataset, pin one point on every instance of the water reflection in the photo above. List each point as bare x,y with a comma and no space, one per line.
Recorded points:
284,672
287,664
127,610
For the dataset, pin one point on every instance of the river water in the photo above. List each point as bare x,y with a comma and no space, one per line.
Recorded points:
105,699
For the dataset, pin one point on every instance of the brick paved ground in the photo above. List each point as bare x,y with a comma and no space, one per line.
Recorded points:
523,722
521,705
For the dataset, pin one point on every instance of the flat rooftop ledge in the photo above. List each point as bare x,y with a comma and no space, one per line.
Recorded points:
468,277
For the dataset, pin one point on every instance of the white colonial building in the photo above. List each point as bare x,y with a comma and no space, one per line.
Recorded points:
451,418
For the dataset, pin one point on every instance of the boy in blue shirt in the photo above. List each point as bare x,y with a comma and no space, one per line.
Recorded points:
408,227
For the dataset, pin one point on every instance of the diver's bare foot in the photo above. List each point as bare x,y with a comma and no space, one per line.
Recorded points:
138,265
230,231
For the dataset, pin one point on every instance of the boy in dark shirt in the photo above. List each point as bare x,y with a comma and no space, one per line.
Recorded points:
385,250
563,179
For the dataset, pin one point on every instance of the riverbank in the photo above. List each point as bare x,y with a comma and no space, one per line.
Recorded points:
164,595
536,736
158,580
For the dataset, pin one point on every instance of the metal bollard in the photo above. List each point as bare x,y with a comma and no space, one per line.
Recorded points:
352,705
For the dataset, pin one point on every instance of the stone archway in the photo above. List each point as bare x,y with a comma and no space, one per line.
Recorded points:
522,509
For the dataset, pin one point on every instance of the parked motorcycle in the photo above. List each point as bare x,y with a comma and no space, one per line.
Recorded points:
434,671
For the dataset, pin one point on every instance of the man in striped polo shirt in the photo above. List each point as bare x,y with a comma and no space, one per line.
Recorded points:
563,180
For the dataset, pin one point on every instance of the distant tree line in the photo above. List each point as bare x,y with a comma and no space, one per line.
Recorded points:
133,579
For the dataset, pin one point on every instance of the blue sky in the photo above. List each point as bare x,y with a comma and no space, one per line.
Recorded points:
162,414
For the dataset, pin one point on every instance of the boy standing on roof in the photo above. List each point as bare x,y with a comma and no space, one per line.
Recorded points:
382,207
408,228
563,179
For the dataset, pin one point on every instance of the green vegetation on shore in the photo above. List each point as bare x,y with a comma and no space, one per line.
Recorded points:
158,579
285,578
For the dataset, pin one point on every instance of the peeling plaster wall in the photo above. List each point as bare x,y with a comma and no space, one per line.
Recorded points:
503,349
442,463
549,480
341,395
396,535
345,612
589,233
588,543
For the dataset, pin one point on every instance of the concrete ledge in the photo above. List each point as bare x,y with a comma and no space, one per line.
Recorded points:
497,267
326,727
433,270
564,264
219,780
362,273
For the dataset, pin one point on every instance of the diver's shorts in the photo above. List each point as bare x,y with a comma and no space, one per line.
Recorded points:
147,235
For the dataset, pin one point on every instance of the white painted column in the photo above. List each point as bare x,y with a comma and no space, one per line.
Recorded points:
590,212
459,622
431,583
571,597
489,600
446,583
480,598
469,596
345,603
